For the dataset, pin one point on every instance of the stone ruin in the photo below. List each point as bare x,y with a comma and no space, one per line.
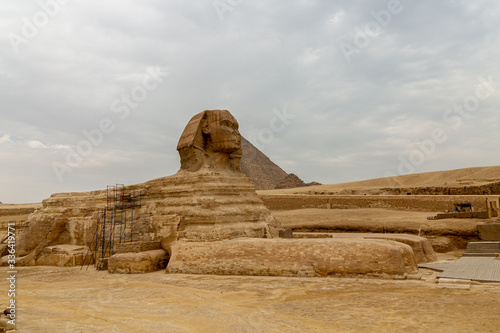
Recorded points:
493,207
205,219
490,231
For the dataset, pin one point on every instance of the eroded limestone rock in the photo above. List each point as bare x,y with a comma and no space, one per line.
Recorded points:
422,248
293,257
64,255
140,262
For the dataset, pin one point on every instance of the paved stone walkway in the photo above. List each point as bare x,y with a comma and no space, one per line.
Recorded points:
477,264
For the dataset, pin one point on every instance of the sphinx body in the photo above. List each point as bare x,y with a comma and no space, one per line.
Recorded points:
210,197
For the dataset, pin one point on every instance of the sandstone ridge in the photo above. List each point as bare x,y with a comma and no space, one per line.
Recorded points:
467,181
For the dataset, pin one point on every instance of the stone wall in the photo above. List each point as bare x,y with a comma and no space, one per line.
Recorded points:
136,263
486,189
428,203
65,256
489,231
16,213
473,215
293,257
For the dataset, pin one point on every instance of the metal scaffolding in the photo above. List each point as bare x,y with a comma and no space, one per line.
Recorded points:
115,223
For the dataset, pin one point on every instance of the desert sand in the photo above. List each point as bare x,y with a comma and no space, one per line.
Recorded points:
452,178
17,212
55,299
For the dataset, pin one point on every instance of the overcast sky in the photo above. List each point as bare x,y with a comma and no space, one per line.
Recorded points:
98,92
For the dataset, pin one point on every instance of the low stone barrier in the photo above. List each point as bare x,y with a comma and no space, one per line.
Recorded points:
421,247
64,255
473,215
428,203
293,257
141,262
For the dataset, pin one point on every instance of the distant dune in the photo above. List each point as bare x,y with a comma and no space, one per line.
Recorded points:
15,212
478,180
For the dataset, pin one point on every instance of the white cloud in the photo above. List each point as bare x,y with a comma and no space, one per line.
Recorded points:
5,138
337,17
36,144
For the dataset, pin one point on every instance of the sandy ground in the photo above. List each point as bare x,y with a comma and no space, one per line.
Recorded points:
53,299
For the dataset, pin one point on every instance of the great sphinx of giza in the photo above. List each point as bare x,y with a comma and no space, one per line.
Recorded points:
208,199
218,201
206,219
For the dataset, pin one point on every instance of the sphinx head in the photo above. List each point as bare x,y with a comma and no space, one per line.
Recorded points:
211,137
220,129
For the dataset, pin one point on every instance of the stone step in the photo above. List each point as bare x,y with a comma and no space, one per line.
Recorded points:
475,254
482,249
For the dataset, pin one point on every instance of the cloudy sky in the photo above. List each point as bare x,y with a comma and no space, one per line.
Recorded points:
98,92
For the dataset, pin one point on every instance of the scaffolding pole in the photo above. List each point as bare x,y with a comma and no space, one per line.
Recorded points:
119,211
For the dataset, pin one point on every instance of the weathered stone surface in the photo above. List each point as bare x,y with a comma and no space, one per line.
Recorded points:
489,231
422,248
291,181
102,264
64,255
286,233
293,257
141,262
214,205
264,174
54,233
137,247
210,138
441,244
6,326
434,203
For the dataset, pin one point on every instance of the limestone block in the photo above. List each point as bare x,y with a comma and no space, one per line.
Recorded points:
102,264
53,236
441,244
165,229
407,253
142,262
293,257
421,246
35,231
489,231
137,247
286,233
63,255
6,326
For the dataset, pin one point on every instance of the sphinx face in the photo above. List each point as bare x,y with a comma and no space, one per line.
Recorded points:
222,128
